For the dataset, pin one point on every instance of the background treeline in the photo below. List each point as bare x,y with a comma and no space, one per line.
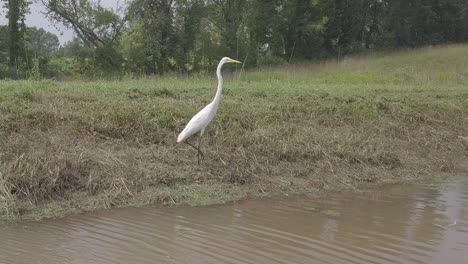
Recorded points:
160,36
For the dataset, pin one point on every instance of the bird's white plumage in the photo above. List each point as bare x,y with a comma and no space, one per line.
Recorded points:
198,123
202,119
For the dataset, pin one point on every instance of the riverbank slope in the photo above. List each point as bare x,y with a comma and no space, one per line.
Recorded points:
78,146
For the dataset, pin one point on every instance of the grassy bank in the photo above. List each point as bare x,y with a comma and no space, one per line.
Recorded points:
77,146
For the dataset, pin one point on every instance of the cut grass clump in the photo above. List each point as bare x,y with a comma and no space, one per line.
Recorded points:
80,146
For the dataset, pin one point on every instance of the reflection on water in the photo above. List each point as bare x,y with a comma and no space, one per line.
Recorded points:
399,224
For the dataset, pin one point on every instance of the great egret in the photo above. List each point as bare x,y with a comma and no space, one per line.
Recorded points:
202,119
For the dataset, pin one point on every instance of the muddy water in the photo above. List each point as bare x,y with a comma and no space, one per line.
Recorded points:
398,224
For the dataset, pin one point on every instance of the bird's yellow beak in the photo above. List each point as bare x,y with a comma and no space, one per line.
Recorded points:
233,61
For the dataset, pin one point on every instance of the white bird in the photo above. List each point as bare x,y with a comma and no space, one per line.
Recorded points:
202,119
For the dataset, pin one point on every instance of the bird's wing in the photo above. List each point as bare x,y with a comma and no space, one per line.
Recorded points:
196,124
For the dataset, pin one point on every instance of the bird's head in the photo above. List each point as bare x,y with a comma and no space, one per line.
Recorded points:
229,60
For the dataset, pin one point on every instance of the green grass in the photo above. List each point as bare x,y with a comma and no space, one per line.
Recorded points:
78,146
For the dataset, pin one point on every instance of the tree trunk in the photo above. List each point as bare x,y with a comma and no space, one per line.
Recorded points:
13,31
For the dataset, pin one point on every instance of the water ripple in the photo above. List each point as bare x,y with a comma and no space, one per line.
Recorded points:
399,224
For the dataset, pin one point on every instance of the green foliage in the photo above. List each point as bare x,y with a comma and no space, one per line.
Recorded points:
146,37
192,35
35,72
269,59
98,28
40,43
3,44
39,46
17,10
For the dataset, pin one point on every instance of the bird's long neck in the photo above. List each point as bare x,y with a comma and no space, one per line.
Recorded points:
217,97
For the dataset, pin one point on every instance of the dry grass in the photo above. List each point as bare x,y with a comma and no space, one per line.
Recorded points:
77,146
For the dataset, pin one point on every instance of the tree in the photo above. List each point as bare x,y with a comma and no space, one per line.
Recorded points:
227,16
3,51
373,27
159,36
262,20
74,48
4,44
154,19
302,28
346,24
188,17
39,42
17,10
452,16
95,25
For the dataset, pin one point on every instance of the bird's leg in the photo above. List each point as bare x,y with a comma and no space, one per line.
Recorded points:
199,149
190,144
